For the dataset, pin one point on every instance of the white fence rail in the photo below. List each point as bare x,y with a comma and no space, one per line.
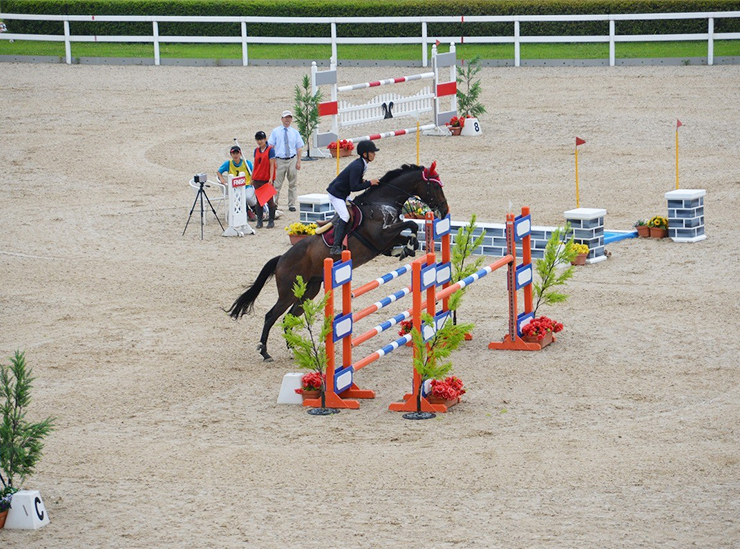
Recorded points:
423,39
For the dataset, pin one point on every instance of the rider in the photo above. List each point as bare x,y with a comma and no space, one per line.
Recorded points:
349,180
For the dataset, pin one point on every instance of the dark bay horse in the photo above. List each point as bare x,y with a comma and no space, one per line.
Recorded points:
379,233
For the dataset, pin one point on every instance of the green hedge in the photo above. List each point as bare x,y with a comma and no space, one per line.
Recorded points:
390,8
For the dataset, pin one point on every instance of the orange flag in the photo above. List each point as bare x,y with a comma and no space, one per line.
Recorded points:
579,141
265,193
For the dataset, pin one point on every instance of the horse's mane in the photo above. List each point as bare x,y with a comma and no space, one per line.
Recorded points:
364,197
399,171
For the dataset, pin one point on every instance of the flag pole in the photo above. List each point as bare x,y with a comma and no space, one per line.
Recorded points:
337,155
417,142
577,200
678,125
579,141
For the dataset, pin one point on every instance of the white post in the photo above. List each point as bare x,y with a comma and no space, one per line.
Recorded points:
517,52
245,52
612,56
424,56
334,94
453,77
155,31
334,41
67,45
710,43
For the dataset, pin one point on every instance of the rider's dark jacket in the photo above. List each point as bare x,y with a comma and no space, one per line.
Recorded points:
349,180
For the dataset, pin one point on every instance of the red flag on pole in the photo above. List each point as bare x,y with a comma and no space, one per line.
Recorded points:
436,42
678,123
579,141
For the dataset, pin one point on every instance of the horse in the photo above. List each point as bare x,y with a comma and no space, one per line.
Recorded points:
379,233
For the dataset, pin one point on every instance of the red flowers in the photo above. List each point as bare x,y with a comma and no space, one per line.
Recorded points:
449,389
406,327
539,327
311,382
343,144
457,122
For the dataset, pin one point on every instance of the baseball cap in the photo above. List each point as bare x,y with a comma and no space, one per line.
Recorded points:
235,149
286,113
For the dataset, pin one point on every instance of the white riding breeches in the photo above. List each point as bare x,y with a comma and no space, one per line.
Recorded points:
340,206
251,197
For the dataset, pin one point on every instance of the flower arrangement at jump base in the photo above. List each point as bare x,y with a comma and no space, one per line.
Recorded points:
540,330
311,385
456,124
643,229
658,227
414,208
345,148
298,231
581,251
406,327
304,229
446,390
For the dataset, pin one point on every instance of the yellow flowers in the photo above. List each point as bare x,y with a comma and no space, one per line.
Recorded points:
580,248
659,222
301,228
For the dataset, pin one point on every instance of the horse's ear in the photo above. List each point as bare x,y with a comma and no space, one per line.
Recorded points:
432,170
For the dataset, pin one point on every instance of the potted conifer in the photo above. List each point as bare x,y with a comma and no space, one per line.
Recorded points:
309,351
429,354
468,96
306,111
21,441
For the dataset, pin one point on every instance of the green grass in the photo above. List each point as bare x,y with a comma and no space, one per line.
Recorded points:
375,52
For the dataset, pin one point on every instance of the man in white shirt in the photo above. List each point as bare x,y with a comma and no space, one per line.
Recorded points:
288,145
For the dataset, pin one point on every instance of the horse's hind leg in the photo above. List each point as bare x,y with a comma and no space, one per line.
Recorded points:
270,318
312,290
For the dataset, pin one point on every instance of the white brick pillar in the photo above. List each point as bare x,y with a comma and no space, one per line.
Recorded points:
686,215
314,207
587,226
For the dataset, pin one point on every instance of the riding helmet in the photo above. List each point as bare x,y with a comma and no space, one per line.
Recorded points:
366,146
260,135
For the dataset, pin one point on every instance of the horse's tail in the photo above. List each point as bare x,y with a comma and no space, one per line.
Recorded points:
245,302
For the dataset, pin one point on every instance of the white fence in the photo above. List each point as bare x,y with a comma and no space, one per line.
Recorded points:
423,39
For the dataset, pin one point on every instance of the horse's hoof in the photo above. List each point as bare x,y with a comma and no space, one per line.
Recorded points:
267,358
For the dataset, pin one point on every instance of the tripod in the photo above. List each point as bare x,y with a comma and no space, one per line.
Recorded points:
201,193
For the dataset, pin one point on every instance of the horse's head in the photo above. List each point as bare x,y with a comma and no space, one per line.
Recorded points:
430,191
397,186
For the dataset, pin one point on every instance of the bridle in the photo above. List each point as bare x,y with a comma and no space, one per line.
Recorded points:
430,176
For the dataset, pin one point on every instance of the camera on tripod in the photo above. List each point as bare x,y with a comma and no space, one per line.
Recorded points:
200,178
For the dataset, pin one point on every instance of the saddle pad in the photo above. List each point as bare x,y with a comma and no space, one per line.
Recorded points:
356,218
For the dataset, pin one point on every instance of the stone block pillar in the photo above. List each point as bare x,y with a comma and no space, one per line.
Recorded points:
587,225
686,215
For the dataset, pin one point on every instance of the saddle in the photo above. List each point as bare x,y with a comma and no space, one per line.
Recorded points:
326,228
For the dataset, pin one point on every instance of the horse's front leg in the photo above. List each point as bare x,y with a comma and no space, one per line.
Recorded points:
404,245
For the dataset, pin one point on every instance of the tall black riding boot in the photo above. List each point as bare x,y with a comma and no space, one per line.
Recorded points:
260,213
271,219
340,229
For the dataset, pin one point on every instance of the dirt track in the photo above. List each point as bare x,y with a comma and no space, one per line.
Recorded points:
624,433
